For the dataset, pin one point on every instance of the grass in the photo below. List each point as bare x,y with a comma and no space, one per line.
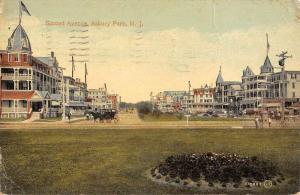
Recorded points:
12,119
114,161
53,119
174,117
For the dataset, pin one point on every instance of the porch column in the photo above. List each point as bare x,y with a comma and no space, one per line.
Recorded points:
28,105
15,108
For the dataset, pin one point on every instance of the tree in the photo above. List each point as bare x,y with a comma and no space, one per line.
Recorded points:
144,107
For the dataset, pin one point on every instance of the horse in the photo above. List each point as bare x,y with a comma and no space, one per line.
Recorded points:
102,115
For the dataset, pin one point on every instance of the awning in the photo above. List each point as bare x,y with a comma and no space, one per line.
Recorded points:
76,104
270,105
247,102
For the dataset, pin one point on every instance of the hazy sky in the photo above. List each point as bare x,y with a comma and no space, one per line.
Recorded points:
173,41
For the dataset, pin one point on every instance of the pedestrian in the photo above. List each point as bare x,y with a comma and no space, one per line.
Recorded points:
256,123
270,121
69,116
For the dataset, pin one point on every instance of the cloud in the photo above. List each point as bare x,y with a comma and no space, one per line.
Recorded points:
134,64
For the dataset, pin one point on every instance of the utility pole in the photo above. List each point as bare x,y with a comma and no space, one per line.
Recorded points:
0,97
63,95
0,170
188,104
282,57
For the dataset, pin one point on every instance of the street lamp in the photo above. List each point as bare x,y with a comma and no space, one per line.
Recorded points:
281,62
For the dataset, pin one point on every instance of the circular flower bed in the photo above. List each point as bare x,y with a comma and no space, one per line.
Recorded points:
213,169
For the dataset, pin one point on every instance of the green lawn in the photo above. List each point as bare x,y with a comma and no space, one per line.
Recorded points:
114,161
12,119
174,117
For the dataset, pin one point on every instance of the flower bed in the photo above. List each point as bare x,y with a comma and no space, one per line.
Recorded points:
222,170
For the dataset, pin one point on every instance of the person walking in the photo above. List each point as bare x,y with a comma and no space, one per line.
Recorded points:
269,121
256,122
69,116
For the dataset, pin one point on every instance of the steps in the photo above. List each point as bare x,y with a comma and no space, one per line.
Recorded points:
34,116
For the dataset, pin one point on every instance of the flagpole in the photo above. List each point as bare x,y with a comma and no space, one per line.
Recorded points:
72,66
20,12
85,73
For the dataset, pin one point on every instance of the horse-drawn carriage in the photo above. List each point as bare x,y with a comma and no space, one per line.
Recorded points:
102,115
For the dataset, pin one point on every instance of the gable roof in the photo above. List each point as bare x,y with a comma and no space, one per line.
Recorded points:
247,72
40,95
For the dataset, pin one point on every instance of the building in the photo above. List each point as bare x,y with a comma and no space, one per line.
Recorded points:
285,85
29,85
260,88
75,95
170,101
228,94
101,99
203,99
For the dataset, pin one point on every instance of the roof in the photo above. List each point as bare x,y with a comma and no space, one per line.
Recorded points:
174,93
295,105
47,60
247,72
17,95
76,104
247,102
267,66
220,78
19,40
272,101
56,97
232,83
40,95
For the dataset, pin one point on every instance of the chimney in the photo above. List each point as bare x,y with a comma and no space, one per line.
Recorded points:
52,54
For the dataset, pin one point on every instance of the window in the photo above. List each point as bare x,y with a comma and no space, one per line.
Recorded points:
17,57
24,102
25,58
293,84
294,94
9,57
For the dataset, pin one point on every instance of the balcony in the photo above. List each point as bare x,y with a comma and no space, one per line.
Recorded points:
12,76
11,109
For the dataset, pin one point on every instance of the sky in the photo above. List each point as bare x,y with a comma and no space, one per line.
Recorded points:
138,46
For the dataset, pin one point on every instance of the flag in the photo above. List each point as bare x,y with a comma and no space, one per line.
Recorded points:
24,8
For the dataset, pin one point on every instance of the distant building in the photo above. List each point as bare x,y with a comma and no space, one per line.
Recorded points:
170,101
101,99
75,95
203,99
227,94
258,89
